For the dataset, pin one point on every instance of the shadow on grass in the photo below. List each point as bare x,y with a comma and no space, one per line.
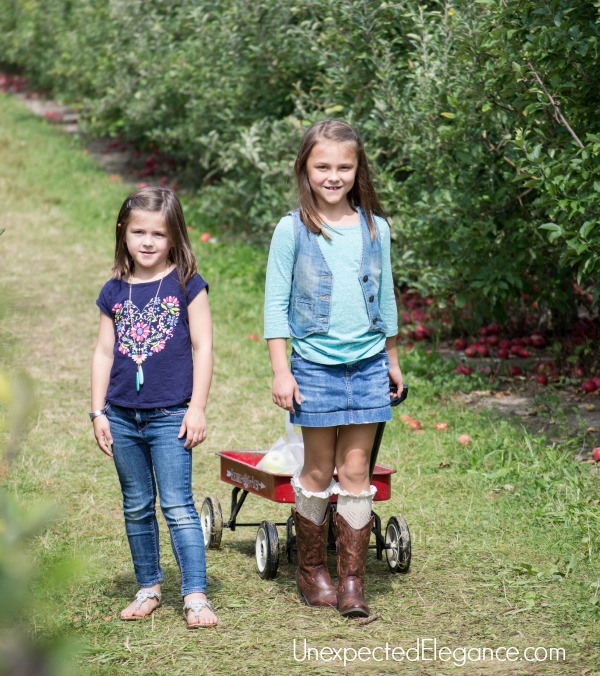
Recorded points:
124,587
378,576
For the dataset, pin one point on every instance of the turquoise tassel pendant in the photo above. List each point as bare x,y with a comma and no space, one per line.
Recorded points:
139,378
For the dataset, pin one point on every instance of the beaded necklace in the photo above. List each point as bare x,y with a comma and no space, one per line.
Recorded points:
139,375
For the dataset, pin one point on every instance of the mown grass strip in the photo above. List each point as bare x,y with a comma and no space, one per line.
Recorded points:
505,530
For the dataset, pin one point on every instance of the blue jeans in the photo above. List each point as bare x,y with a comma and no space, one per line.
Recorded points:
148,453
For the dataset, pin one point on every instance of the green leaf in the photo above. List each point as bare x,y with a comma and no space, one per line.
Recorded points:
535,153
450,116
586,228
552,226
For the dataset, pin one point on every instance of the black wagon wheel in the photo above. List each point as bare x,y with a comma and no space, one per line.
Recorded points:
211,518
397,540
267,550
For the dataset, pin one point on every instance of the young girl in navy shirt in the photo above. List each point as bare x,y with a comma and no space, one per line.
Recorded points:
149,395
329,288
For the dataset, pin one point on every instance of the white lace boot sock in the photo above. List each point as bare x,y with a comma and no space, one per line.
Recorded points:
311,505
356,509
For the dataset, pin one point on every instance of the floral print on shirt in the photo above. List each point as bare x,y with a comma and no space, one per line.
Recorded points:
143,333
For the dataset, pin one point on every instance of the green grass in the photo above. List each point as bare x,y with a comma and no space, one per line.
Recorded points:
505,531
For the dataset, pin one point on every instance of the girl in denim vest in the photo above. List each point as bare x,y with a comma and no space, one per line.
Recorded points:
329,288
148,396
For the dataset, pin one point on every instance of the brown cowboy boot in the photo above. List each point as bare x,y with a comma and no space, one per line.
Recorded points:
312,575
352,548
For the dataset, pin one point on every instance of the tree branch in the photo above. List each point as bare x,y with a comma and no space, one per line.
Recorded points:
496,150
559,115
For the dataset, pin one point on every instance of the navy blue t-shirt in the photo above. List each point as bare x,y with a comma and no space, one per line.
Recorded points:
154,332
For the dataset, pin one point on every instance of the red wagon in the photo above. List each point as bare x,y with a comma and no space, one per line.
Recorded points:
238,468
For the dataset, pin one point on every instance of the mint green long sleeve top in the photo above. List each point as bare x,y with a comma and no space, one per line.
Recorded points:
348,339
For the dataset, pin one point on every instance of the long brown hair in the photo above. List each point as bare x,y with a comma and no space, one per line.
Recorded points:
166,201
362,193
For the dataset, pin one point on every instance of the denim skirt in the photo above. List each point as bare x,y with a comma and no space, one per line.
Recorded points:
342,394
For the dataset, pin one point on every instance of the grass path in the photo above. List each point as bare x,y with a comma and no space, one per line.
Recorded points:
499,528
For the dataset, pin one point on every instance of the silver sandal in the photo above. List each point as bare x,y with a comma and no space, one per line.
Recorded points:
196,606
140,597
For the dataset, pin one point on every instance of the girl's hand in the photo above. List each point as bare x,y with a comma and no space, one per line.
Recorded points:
103,436
193,427
396,377
285,391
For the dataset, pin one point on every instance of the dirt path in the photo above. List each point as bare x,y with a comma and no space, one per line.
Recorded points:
558,414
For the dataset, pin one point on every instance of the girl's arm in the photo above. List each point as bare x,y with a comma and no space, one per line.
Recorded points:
278,288
285,388
395,373
387,304
102,362
193,426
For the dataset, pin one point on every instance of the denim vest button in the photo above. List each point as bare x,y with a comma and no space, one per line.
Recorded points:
375,320
366,278
371,299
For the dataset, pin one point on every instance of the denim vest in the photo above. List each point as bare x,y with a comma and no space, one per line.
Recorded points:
312,281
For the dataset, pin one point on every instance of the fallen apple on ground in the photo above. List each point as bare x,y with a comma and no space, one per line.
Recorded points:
460,344
589,386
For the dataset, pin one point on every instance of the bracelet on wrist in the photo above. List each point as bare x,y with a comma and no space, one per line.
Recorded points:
95,414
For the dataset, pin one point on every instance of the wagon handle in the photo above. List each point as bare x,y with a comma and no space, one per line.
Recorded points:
394,401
